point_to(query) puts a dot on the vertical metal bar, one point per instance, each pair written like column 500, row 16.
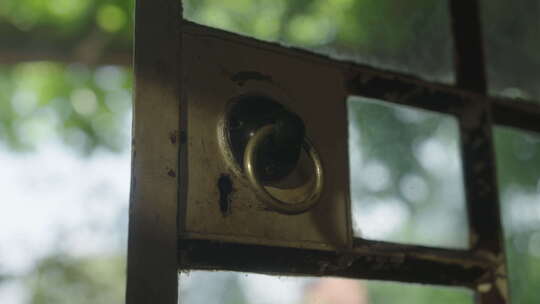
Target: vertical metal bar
column 469, row 51
column 486, row 237
column 152, row 243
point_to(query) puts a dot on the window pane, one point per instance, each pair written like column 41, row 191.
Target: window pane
column 518, row 163
column 512, row 42
column 408, row 36
column 202, row 287
column 406, row 175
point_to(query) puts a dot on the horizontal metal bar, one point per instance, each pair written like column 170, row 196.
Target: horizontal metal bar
column 371, row 261
column 415, row 93
column 519, row 114
column 443, row 255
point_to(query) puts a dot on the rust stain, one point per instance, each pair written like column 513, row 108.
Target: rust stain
column 173, row 137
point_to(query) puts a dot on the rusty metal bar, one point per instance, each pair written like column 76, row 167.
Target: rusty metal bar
column 410, row 93
column 403, row 263
column 486, row 236
column 519, row 114
column 481, row 190
column 152, row 242
column 468, row 54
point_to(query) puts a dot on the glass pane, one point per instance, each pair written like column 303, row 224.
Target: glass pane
column 202, row 287
column 518, row 163
column 406, row 175
column 512, row 42
column 407, row 36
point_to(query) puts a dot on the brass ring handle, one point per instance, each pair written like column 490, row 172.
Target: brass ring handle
column 250, row 159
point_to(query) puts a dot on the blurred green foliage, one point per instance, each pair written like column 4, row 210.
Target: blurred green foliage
column 86, row 106
column 518, row 168
column 65, row 279
column 406, row 161
column 67, row 17
column 407, row 36
column 386, row 293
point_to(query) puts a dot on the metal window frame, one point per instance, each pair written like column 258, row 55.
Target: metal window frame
column 155, row 254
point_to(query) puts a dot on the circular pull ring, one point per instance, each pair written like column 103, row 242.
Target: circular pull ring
column 250, row 159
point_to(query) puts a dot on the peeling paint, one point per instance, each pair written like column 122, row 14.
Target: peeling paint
column 484, row 288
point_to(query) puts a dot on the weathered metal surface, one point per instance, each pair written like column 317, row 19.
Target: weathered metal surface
column 152, row 251
column 217, row 71
column 370, row 260
column 478, row 156
column 482, row 200
column 520, row 114
column 408, row 92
